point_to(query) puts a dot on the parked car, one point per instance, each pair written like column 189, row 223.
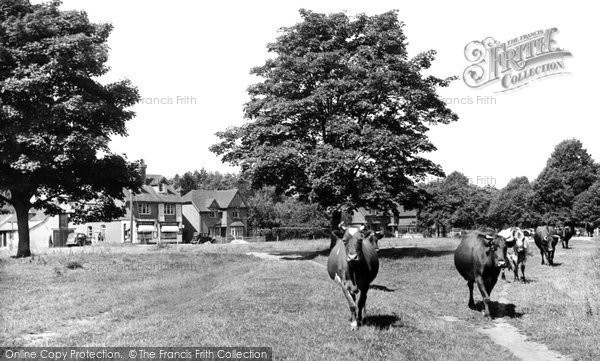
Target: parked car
column 199, row 239
column 77, row 239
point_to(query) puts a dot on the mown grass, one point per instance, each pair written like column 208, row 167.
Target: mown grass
column 214, row 295
column 561, row 304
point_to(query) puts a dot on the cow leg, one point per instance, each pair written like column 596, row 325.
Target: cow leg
column 523, row 271
column 484, row 293
column 471, row 301
column 503, row 276
column 351, row 301
column 362, row 301
column 542, row 254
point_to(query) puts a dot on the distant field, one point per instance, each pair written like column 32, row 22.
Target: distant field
column 215, row 295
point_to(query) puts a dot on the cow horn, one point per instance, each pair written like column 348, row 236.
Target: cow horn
column 487, row 236
column 362, row 227
column 342, row 227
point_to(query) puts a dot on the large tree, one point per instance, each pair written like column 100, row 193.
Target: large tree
column 340, row 116
column 586, row 207
column 512, row 205
column 56, row 117
column 569, row 171
column 455, row 202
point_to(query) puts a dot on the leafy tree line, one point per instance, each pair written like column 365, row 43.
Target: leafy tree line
column 566, row 192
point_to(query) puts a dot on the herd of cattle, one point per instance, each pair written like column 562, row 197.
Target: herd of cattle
column 479, row 258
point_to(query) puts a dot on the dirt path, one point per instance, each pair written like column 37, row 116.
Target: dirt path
column 509, row 336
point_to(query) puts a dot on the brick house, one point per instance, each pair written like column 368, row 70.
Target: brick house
column 376, row 220
column 157, row 215
column 217, row 213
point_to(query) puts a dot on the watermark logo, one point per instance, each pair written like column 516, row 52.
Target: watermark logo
column 516, row 62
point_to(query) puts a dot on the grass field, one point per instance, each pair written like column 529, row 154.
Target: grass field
column 215, row 295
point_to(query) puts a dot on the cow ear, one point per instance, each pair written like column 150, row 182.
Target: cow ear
column 379, row 235
column 337, row 234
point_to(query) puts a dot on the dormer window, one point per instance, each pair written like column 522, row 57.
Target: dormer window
column 213, row 214
column 161, row 188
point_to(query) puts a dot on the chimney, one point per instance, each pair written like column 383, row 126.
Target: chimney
column 142, row 170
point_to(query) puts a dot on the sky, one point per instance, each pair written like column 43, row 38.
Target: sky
column 191, row 61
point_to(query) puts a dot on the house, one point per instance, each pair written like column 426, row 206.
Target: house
column 217, row 213
column 376, row 220
column 156, row 215
column 41, row 229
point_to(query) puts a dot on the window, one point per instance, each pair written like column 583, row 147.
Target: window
column 168, row 235
column 237, row 232
column 169, row 209
column 213, row 214
column 161, row 188
column 143, row 208
column 235, row 214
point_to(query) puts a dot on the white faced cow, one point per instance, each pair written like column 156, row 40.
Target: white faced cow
column 517, row 254
column 353, row 264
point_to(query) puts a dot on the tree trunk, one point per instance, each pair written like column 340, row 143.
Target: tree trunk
column 336, row 219
column 22, row 210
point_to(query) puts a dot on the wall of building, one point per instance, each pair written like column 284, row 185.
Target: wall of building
column 191, row 222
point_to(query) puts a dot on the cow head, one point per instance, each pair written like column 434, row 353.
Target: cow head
column 514, row 236
column 352, row 239
column 496, row 249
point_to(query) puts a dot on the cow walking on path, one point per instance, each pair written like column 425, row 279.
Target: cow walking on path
column 546, row 238
column 516, row 256
column 479, row 259
column 353, row 264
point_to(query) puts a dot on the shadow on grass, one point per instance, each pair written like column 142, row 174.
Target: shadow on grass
column 383, row 322
column 388, row 253
column 381, row 288
column 301, row 256
column 500, row 310
column 411, row 252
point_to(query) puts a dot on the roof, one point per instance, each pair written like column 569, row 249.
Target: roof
column 237, row 224
column 203, row 199
column 150, row 195
column 155, row 179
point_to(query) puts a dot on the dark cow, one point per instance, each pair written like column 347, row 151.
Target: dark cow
column 565, row 234
column 353, row 264
column 546, row 238
column 516, row 255
column 589, row 227
column 478, row 259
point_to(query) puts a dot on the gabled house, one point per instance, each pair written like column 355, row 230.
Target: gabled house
column 156, row 215
column 215, row 213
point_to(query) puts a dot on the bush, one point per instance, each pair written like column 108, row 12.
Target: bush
column 283, row 233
